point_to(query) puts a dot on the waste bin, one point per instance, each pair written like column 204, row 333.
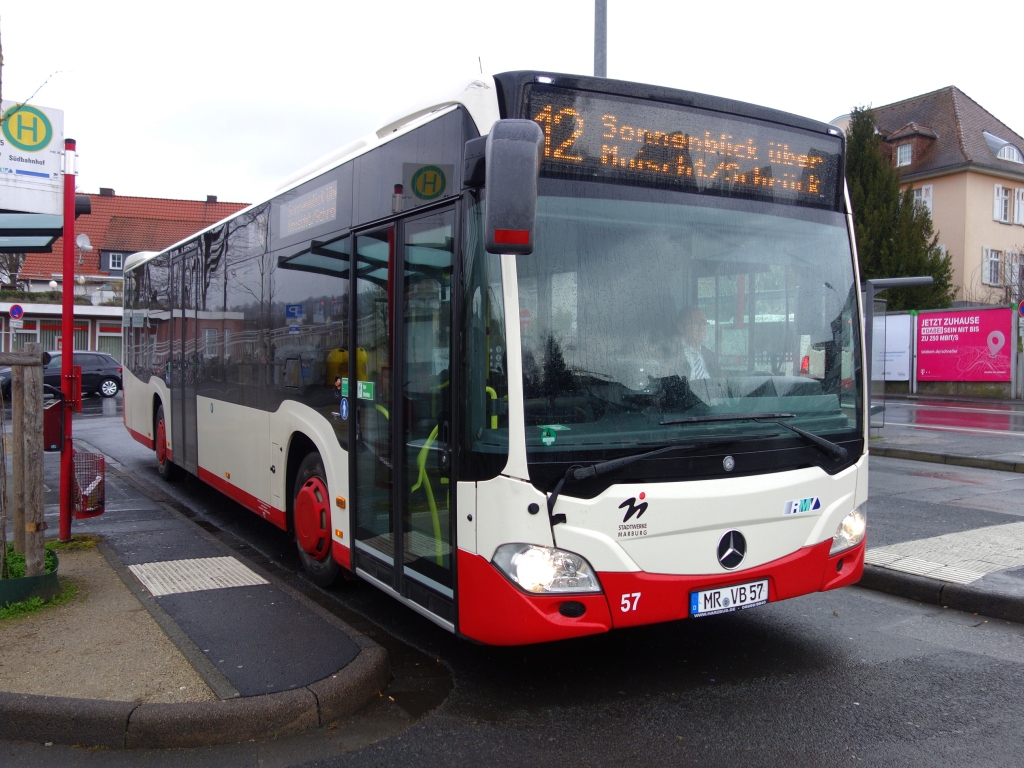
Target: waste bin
column 53, row 425
column 90, row 484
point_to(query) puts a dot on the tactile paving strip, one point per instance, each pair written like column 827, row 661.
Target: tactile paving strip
column 960, row 558
column 172, row 577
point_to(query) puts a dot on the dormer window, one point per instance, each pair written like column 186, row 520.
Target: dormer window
column 1003, row 149
column 1011, row 153
column 903, row 155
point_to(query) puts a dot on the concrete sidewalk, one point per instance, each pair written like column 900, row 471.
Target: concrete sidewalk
column 277, row 662
column 979, row 567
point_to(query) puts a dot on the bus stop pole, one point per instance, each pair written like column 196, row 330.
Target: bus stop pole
column 67, row 334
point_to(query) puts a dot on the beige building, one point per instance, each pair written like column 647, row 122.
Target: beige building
column 967, row 168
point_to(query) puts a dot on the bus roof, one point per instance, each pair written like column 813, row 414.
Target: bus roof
column 477, row 97
column 486, row 100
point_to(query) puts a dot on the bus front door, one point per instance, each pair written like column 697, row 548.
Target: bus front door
column 401, row 462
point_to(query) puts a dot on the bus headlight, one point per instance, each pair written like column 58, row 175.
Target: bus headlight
column 545, row 570
column 851, row 531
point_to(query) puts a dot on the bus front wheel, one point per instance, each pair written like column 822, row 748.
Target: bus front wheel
column 311, row 518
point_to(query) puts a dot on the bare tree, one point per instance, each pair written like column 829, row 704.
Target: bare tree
column 1005, row 283
column 26, row 101
column 10, row 263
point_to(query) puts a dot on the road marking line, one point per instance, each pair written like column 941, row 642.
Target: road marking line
column 171, row 577
column 958, row 409
column 970, row 430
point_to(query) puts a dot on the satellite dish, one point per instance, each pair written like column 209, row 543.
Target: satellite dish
column 82, row 241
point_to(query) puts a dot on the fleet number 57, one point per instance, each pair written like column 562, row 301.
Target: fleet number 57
column 629, row 601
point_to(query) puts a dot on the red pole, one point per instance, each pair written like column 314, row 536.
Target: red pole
column 67, row 334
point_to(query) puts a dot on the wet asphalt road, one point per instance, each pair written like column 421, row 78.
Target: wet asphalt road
column 839, row 678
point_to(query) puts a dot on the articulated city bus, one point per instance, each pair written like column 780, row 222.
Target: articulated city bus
column 534, row 360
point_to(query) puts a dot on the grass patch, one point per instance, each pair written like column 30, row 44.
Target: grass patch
column 78, row 542
column 14, row 562
column 68, row 592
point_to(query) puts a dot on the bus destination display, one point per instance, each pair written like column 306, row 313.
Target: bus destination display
column 588, row 136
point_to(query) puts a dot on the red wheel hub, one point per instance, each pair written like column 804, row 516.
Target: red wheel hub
column 313, row 518
column 161, row 442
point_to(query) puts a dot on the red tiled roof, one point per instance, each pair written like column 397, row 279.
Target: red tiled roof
column 127, row 224
column 131, row 234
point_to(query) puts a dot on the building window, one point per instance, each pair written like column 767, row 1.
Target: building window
column 1011, row 153
column 923, row 198
column 1012, row 270
column 903, row 155
column 210, row 342
column 990, row 266
column 1001, row 204
column 116, row 262
column 1018, row 206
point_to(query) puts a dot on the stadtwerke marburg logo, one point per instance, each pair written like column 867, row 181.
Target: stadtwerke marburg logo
column 27, row 128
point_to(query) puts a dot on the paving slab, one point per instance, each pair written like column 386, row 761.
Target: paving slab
column 951, row 535
column 279, row 662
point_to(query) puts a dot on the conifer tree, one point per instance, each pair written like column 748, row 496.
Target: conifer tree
column 895, row 237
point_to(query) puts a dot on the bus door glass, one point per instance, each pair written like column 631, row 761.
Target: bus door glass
column 191, row 362
column 427, row 488
column 369, row 384
column 183, row 354
column 402, row 402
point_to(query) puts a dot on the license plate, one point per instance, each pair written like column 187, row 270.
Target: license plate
column 708, row 602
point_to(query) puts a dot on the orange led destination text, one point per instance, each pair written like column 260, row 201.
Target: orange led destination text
column 661, row 153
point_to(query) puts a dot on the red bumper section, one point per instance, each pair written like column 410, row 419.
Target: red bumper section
column 494, row 611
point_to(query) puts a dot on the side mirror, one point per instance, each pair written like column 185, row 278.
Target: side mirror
column 512, row 166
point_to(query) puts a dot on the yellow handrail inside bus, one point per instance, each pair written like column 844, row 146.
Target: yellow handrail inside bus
column 494, row 416
column 424, row 480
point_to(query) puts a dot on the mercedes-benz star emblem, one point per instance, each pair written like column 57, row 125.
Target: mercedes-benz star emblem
column 731, row 550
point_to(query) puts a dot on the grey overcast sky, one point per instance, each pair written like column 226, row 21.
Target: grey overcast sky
column 187, row 99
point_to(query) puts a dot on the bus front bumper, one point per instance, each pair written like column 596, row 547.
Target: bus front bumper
column 494, row 611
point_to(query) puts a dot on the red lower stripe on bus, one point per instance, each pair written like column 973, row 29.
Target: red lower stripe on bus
column 261, row 508
column 493, row 611
column 639, row 598
column 148, row 442
column 342, row 555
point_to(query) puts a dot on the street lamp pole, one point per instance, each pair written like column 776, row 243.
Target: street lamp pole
column 600, row 38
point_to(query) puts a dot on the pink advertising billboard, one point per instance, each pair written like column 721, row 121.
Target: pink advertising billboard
column 966, row 345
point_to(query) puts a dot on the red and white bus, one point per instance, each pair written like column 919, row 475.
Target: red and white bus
column 530, row 359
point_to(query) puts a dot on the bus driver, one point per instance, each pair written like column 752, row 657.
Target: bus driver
column 693, row 360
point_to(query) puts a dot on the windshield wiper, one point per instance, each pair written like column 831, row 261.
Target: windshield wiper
column 576, row 473
column 833, row 450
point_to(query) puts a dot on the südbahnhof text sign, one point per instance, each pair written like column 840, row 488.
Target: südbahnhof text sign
column 31, row 147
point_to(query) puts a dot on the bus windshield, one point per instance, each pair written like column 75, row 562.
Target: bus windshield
column 641, row 309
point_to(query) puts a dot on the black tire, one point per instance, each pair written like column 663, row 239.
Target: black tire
column 321, row 569
column 168, row 470
column 109, row 387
